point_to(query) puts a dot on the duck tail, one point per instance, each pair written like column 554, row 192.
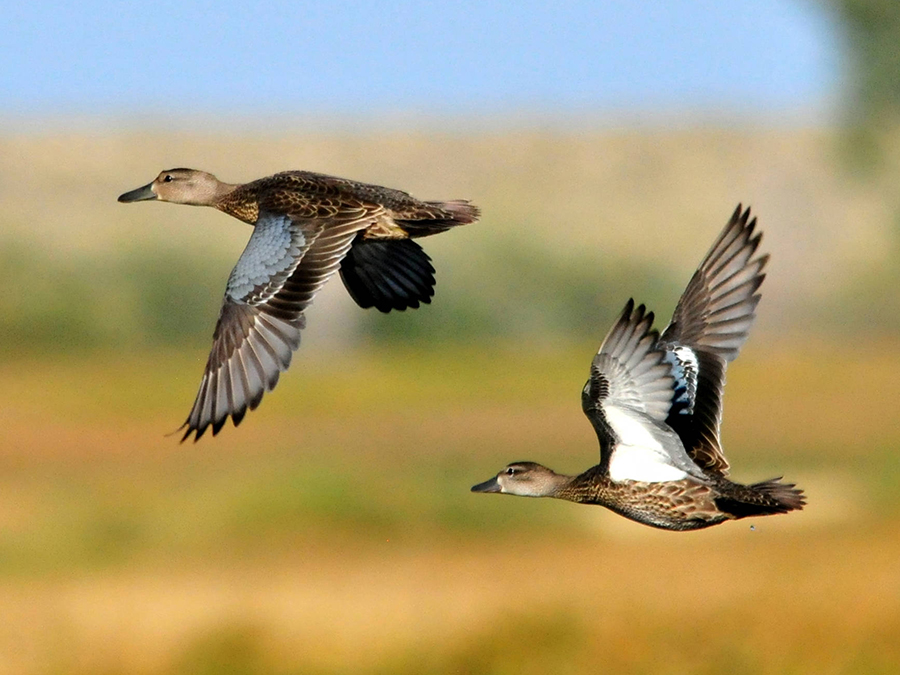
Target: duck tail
column 462, row 212
column 438, row 217
column 761, row 499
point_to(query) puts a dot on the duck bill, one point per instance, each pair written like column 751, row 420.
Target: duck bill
column 487, row 486
column 139, row 195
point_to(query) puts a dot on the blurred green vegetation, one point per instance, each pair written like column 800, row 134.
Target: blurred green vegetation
column 112, row 517
column 384, row 443
column 347, row 494
column 151, row 296
column 158, row 297
column 514, row 290
column 871, row 98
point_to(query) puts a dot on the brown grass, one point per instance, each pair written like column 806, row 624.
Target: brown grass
column 774, row 600
column 334, row 531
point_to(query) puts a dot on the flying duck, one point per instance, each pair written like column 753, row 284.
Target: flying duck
column 655, row 402
column 307, row 226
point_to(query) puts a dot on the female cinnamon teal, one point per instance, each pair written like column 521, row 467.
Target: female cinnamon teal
column 307, row 227
column 655, row 402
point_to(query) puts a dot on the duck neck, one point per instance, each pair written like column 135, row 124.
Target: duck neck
column 223, row 190
column 237, row 201
column 581, row 488
column 560, row 486
column 211, row 193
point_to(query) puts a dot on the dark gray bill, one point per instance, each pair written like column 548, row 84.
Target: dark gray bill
column 139, row 195
column 487, row 486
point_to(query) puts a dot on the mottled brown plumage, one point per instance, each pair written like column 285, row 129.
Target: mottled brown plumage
column 656, row 405
column 687, row 504
column 307, row 227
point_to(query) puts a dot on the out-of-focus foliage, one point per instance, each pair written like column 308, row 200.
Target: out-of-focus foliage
column 160, row 296
column 871, row 30
column 334, row 531
column 528, row 293
column 574, row 223
column 142, row 297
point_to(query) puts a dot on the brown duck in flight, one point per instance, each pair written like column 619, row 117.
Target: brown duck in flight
column 655, row 402
column 307, row 226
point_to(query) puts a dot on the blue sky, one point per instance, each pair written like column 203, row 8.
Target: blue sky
column 361, row 60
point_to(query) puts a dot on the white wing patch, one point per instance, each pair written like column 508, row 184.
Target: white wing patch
column 641, row 464
column 645, row 452
column 685, row 369
column 273, row 252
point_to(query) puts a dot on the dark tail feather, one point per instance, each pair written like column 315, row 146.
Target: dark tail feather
column 761, row 499
column 440, row 216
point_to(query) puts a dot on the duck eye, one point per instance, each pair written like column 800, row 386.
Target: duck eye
column 168, row 178
column 510, row 471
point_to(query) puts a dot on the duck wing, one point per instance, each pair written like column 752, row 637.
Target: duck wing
column 710, row 325
column 288, row 258
column 387, row 274
column 627, row 399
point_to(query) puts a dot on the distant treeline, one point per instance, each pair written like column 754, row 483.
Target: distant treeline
column 142, row 297
column 161, row 296
column 506, row 291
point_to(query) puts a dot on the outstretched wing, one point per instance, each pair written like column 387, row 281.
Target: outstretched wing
column 287, row 260
column 710, row 325
column 627, row 399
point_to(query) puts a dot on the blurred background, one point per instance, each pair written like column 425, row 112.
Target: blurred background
column 334, row 531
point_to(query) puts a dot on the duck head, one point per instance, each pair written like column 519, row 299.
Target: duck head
column 525, row 479
column 180, row 186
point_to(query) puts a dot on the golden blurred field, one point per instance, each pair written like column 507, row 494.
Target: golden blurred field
column 334, row 531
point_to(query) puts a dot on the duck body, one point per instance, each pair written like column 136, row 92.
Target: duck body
column 305, row 194
column 686, row 504
column 307, row 226
column 655, row 402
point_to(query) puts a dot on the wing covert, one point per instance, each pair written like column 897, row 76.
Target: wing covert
column 274, row 250
column 285, row 264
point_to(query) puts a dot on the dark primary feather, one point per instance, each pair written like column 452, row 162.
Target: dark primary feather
column 716, row 310
column 710, row 325
column 387, row 273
